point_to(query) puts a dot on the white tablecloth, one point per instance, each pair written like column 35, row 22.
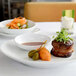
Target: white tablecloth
column 9, row 67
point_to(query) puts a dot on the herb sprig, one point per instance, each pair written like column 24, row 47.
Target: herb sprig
column 63, row 36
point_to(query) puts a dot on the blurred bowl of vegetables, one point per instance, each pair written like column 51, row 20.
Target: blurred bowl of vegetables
column 17, row 26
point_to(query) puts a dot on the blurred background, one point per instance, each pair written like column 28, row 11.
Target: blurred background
column 14, row 8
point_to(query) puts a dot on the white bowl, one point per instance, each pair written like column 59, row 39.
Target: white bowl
column 4, row 29
column 31, row 37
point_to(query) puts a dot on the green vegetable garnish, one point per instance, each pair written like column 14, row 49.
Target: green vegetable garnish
column 26, row 26
column 63, row 36
column 18, row 24
column 20, row 27
column 8, row 27
column 53, row 37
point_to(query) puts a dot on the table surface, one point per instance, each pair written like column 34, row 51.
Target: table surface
column 10, row 67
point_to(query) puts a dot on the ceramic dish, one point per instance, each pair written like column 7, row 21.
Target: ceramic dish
column 9, row 49
column 31, row 25
column 7, row 35
column 30, row 37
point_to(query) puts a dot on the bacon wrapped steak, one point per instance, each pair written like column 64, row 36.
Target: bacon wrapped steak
column 62, row 50
column 62, row 45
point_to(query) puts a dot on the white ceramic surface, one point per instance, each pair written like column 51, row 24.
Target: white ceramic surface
column 7, row 35
column 3, row 28
column 9, row 49
column 30, row 37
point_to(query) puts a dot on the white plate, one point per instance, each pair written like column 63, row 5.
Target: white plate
column 7, row 35
column 31, row 37
column 9, row 49
column 3, row 28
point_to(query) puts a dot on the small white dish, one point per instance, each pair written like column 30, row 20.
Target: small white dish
column 31, row 24
column 30, row 37
column 9, row 49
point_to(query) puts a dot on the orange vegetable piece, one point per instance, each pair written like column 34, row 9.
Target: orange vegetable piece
column 13, row 23
column 44, row 54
